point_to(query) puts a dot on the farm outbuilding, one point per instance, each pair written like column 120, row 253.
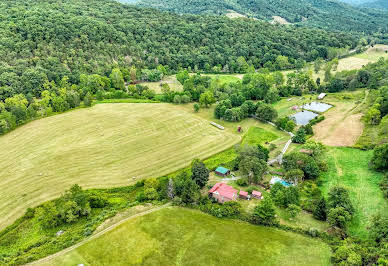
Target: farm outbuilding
column 243, row 194
column 222, row 171
column 321, row 96
column 223, row 193
column 256, row 194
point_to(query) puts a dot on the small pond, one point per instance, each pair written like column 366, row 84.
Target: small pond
column 303, row 118
column 317, row 107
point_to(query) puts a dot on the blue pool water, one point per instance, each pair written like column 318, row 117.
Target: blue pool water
column 281, row 181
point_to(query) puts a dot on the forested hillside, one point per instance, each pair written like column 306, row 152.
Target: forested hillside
column 318, row 13
column 366, row 3
column 44, row 40
column 383, row 4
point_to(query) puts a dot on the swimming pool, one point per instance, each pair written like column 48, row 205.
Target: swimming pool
column 276, row 179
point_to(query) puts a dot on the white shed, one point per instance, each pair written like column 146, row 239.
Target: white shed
column 321, row 96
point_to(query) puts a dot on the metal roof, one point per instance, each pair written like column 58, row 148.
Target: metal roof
column 222, row 170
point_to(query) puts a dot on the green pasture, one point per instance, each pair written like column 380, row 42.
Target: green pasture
column 348, row 167
column 175, row 236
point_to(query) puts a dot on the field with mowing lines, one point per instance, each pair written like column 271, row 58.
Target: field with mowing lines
column 349, row 168
column 175, row 236
column 103, row 146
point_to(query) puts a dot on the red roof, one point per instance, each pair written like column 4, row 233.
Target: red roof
column 224, row 190
column 256, row 193
column 243, row 193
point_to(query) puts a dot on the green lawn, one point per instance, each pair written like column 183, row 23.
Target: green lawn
column 256, row 135
column 349, row 168
column 177, row 236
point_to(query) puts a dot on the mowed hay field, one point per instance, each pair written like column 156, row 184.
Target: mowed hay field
column 176, row 236
column 103, row 146
column 359, row 60
column 348, row 167
column 342, row 125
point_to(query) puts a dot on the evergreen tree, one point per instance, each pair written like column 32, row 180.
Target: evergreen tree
column 319, row 210
column 300, row 136
column 200, row 174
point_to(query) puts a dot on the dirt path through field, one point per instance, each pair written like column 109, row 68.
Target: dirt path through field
column 110, row 228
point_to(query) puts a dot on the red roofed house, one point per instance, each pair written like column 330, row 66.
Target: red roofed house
column 223, row 193
column 256, row 194
column 243, row 194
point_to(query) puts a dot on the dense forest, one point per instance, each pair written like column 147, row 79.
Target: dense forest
column 367, row 3
column 382, row 4
column 324, row 14
column 47, row 40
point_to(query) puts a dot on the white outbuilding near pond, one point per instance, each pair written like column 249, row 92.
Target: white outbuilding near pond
column 321, row 96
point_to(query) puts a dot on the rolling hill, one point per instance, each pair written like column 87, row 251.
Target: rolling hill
column 367, row 3
column 103, row 146
column 324, row 14
column 42, row 40
column 382, row 4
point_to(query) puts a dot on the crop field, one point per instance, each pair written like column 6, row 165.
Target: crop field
column 107, row 145
column 176, row 236
column 349, row 168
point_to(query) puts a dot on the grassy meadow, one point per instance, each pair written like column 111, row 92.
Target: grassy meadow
column 349, row 168
column 174, row 84
column 176, row 236
column 108, row 145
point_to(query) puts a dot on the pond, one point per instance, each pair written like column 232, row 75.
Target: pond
column 303, row 118
column 317, row 107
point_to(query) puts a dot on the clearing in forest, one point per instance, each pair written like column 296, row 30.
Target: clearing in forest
column 359, row 60
column 348, row 167
column 176, row 236
column 103, row 146
column 172, row 82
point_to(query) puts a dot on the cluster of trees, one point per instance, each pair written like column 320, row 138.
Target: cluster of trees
column 287, row 124
column 379, row 160
column 304, row 162
column 74, row 204
column 252, row 162
column 19, row 109
column 47, row 40
column 52, row 97
column 320, row 14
